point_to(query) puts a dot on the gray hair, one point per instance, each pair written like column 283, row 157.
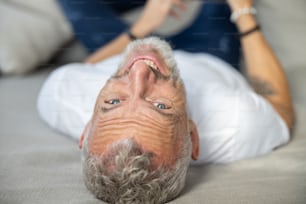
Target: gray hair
column 124, row 174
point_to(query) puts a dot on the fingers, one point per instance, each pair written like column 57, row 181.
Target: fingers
column 174, row 14
column 180, row 4
column 177, row 8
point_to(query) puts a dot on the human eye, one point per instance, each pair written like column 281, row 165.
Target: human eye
column 113, row 101
column 161, row 106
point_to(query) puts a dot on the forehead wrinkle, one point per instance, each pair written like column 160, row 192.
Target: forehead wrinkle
column 141, row 122
column 118, row 124
column 132, row 130
column 106, row 133
column 135, row 123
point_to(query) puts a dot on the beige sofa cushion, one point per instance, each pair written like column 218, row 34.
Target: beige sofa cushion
column 284, row 25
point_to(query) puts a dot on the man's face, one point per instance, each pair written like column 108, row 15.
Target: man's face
column 145, row 101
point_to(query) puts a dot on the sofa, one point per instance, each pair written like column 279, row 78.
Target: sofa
column 40, row 165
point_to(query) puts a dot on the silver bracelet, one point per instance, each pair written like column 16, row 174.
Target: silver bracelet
column 236, row 14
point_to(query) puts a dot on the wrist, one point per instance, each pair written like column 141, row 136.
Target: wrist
column 249, row 32
column 246, row 22
column 140, row 30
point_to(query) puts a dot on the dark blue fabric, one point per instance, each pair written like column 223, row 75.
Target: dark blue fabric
column 96, row 22
column 211, row 32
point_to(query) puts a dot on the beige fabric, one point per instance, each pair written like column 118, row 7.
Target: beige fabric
column 284, row 25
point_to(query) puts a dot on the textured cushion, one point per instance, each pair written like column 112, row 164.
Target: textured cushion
column 31, row 32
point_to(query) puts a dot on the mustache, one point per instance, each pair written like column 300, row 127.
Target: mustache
column 158, row 75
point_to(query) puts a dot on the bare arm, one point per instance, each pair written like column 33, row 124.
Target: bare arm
column 264, row 70
column 153, row 15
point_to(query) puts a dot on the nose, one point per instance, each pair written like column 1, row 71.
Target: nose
column 141, row 77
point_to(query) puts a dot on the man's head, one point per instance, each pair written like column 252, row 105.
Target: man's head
column 139, row 142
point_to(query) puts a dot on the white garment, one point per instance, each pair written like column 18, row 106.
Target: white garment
column 232, row 120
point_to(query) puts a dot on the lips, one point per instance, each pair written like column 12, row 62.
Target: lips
column 151, row 60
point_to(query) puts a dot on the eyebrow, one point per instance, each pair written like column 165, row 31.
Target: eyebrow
column 166, row 115
column 106, row 110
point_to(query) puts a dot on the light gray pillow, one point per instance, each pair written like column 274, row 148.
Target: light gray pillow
column 31, row 32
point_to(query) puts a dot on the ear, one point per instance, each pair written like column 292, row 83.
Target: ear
column 194, row 139
column 81, row 141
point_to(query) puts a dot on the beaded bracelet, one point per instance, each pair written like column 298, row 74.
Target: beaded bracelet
column 236, row 14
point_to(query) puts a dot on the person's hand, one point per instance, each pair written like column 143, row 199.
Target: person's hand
column 239, row 4
column 154, row 14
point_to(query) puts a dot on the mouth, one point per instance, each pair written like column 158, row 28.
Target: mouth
column 152, row 61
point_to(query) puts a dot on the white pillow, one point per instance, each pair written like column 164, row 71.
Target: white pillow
column 31, row 32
